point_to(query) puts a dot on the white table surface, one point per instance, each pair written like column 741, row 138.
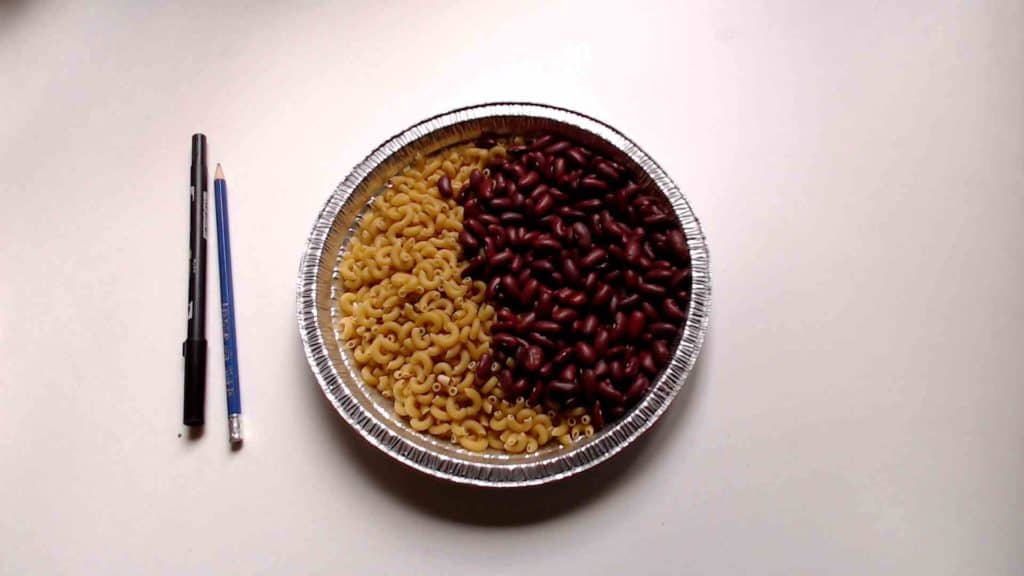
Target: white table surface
column 859, row 171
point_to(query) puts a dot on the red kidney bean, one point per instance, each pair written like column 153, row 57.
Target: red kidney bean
column 506, row 340
column 649, row 312
column 631, row 366
column 563, row 315
column 508, row 218
column 569, row 212
column 629, row 301
column 672, row 310
column 633, row 250
column 558, row 147
column 635, row 324
column 500, row 259
column 568, row 373
column 593, row 184
column 637, row 389
column 529, row 181
column 660, row 276
column 647, row 363
column 544, row 204
column 589, row 325
column 606, row 170
column 630, row 279
column 662, row 330
column 597, row 416
column 468, row 242
column 475, row 227
column 562, row 388
column 547, row 327
column 681, row 278
column 558, row 228
column 492, row 287
column 582, row 234
column 558, row 168
column 593, row 258
column 570, row 272
column 651, row 289
column 541, row 142
column 590, row 282
column 542, row 340
column 608, row 392
column 588, row 205
column 444, row 186
column 534, row 358
column 661, row 352
column 677, row 244
column 575, row 299
column 585, row 353
column 577, row 155
column 545, row 242
column 502, row 204
column 601, row 340
column 602, row 295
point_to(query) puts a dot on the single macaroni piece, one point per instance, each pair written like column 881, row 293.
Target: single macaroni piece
column 417, row 329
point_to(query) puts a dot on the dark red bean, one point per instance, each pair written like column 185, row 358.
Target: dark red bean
column 577, row 155
column 545, row 242
column 617, row 370
column 631, row 366
column 489, row 220
column 589, row 381
column 502, row 204
column 444, row 186
column 582, row 234
column 608, row 171
column 542, row 340
column 545, row 203
column 647, row 363
column 541, row 142
column 655, row 220
column 475, row 227
column 677, row 244
column 563, row 315
column 661, row 352
column 574, row 299
column 672, row 310
column 568, row 373
column 562, row 388
column 562, row 356
column 506, row 340
column 500, row 259
column 593, row 184
column 637, row 389
column 661, row 276
column 512, row 218
column 593, row 258
column 569, row 212
column 529, row 181
column 632, row 250
column 570, row 272
column 476, row 177
column 651, row 289
column 558, row 147
column 588, row 205
column 545, row 302
column 547, row 326
column 534, row 358
column 492, row 287
column 681, row 278
column 589, row 325
column 629, row 301
column 558, row 168
column 630, row 279
column 468, row 241
column 650, row 312
column 597, row 416
column 608, row 392
column 662, row 330
column 635, row 324
column 601, row 340
column 585, row 353
column 483, row 367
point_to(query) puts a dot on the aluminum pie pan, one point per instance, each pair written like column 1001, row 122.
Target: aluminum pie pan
column 365, row 410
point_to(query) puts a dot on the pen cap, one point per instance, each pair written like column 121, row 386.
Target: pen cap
column 195, row 382
column 198, row 158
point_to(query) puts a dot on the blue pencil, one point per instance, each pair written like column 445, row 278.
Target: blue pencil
column 227, row 308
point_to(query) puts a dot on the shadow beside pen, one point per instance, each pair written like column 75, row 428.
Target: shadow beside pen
column 508, row 506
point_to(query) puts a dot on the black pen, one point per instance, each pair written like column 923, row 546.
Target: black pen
column 194, row 348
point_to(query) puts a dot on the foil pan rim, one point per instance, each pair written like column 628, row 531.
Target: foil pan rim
column 508, row 473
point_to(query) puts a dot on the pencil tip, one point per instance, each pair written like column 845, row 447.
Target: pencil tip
column 219, row 175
